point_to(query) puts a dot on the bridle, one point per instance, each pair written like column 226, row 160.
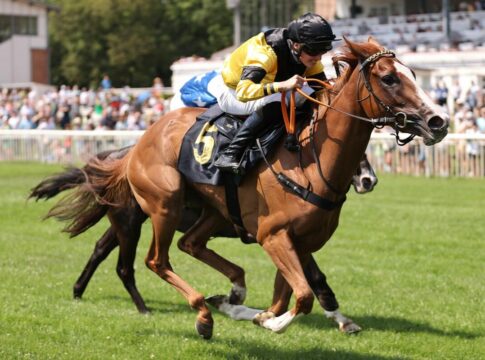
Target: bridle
column 398, row 119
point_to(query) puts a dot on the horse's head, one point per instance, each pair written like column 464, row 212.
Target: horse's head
column 390, row 90
column 364, row 178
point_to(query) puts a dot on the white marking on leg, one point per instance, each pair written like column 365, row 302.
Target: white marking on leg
column 239, row 312
column 280, row 323
column 344, row 323
column 239, row 291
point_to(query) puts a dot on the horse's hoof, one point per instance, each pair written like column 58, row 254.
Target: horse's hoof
column 204, row 330
column 217, row 300
column 350, row 328
column 145, row 311
column 260, row 318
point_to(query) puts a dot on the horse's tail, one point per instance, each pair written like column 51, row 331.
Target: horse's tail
column 99, row 185
column 70, row 178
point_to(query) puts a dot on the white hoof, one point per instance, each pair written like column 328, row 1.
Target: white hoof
column 277, row 324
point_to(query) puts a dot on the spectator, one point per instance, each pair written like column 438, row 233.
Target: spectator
column 157, row 87
column 440, row 93
column 481, row 120
column 106, row 82
column 472, row 95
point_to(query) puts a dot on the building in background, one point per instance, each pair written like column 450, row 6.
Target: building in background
column 24, row 45
column 442, row 40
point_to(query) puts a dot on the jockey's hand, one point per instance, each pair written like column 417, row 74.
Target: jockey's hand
column 296, row 81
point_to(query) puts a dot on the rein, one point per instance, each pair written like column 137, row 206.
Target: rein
column 398, row 119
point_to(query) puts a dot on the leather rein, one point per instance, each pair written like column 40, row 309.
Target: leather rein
column 398, row 119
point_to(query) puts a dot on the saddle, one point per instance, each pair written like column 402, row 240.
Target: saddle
column 211, row 133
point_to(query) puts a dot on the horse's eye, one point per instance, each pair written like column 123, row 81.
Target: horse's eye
column 390, row 80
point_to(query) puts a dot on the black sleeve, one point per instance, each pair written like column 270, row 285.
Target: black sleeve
column 253, row 73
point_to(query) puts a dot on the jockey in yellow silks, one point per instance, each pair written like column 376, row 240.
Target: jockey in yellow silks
column 255, row 74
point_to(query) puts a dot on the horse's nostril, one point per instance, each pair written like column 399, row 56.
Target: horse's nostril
column 436, row 123
column 366, row 183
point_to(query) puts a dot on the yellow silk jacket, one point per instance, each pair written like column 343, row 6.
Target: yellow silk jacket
column 254, row 67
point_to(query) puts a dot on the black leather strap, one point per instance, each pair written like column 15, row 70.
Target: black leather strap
column 232, row 200
column 307, row 195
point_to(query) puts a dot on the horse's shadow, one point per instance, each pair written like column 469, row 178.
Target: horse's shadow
column 369, row 322
column 242, row 347
column 382, row 323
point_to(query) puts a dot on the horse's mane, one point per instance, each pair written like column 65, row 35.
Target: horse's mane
column 344, row 56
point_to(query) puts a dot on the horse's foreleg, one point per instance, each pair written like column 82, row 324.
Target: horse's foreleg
column 128, row 222
column 281, row 295
column 281, row 250
column 318, row 282
column 102, row 249
column 194, row 243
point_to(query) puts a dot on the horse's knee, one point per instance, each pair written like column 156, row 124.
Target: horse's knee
column 125, row 274
column 328, row 302
column 152, row 265
column 183, row 246
column 190, row 247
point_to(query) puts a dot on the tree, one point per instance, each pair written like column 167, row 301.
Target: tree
column 132, row 40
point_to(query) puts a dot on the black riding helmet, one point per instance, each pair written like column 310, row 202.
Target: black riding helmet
column 313, row 31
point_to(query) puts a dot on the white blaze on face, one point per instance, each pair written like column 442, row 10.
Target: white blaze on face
column 423, row 96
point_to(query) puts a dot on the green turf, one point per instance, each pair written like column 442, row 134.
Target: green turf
column 407, row 264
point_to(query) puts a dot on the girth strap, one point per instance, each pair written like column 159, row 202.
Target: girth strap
column 300, row 191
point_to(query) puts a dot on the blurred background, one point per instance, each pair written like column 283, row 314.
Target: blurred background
column 114, row 64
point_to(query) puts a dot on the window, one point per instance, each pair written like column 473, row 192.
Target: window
column 5, row 27
column 24, row 25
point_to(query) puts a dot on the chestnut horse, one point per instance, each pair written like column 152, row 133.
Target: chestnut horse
column 82, row 211
column 376, row 89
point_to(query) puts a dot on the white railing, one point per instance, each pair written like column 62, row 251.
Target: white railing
column 456, row 155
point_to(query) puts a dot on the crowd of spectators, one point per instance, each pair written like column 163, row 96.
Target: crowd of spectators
column 82, row 108
column 467, row 104
column 124, row 109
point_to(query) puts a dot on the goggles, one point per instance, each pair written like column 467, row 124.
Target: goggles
column 317, row 49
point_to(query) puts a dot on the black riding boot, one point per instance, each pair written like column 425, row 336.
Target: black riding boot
column 230, row 158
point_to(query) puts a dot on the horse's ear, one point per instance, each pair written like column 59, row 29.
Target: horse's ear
column 360, row 50
column 372, row 40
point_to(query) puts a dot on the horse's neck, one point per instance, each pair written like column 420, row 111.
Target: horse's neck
column 342, row 140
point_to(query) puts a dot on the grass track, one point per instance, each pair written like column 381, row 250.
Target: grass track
column 406, row 263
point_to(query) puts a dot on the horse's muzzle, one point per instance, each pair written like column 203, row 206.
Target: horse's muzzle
column 438, row 129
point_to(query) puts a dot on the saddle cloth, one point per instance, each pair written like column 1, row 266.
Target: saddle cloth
column 211, row 133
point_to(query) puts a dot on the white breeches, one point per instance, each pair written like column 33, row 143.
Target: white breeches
column 228, row 102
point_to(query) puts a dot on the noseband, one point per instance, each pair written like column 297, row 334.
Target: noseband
column 399, row 119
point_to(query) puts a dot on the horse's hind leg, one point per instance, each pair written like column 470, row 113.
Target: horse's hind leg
column 158, row 261
column 318, row 282
column 128, row 222
column 161, row 199
column 194, row 243
column 102, row 249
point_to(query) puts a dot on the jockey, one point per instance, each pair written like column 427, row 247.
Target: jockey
column 267, row 64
